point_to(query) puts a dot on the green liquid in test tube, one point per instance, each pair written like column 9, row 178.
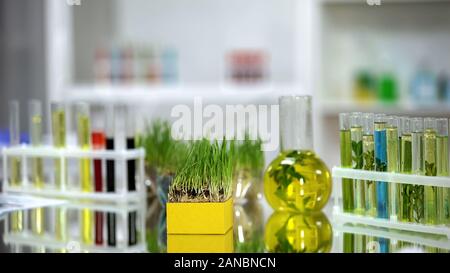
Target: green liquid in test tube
column 442, row 170
column 346, row 161
column 356, row 133
column 369, row 164
column 392, row 146
column 429, row 152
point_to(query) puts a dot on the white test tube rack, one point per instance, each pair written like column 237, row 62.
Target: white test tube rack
column 48, row 241
column 120, row 157
column 359, row 176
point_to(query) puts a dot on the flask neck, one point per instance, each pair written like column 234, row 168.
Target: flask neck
column 296, row 132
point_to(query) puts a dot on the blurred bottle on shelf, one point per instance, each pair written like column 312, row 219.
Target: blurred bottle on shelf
column 424, row 86
column 247, row 66
column 388, row 88
column 444, row 87
column 364, row 87
column 136, row 64
column 102, row 67
column 169, row 58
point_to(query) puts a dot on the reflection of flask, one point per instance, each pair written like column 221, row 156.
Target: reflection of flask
column 287, row 232
column 297, row 179
column 248, row 228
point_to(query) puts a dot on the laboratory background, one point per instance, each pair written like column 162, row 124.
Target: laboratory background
column 88, row 90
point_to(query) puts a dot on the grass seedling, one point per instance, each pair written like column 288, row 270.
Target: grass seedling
column 206, row 175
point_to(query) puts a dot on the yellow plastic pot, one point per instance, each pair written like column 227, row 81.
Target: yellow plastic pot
column 198, row 243
column 199, row 218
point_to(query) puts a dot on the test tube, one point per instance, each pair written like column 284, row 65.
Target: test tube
column 369, row 163
column 356, row 132
column 442, row 169
column 429, row 152
column 131, row 175
column 346, row 160
column 381, row 165
column 37, row 215
column 110, row 173
column 84, row 142
column 58, row 113
column 406, row 205
column 98, row 143
column 393, row 160
column 17, row 220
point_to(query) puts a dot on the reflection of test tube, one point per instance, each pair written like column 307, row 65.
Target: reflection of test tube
column 84, row 142
column 37, row 215
column 15, row 172
column 59, row 141
column 110, row 174
column 131, row 176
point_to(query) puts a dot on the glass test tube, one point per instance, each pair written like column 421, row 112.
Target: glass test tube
column 84, row 142
column 131, row 176
column 37, row 215
column 406, row 190
column 15, row 177
column 442, row 169
column 381, row 165
column 346, row 161
column 356, row 133
column 98, row 143
column 429, row 154
column 58, row 114
column 392, row 147
column 110, row 173
column 369, row 164
column 417, row 167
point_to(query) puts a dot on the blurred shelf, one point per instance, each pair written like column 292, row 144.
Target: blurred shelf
column 333, row 108
column 147, row 94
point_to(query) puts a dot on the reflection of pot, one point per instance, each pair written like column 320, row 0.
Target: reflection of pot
column 153, row 205
column 288, row 232
column 248, row 228
column 247, row 185
column 163, row 184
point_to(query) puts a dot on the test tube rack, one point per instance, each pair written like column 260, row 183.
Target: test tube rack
column 48, row 241
column 120, row 157
column 359, row 176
